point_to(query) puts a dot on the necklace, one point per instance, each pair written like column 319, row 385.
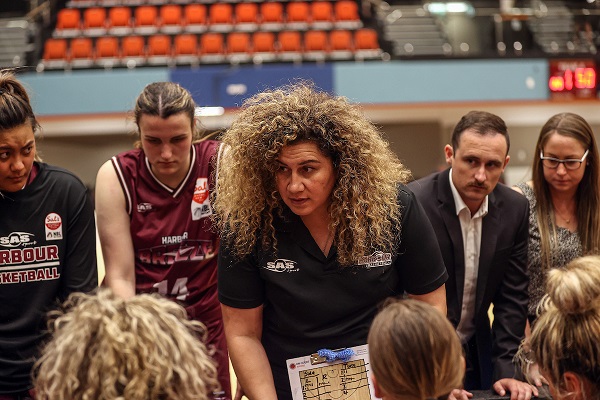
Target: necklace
column 567, row 220
column 328, row 242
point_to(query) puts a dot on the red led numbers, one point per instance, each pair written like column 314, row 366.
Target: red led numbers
column 571, row 79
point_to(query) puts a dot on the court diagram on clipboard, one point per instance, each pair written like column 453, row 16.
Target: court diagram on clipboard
column 312, row 378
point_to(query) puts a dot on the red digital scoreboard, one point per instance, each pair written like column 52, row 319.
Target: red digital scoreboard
column 572, row 79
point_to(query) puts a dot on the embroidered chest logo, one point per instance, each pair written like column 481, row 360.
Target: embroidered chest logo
column 282, row 265
column 200, row 200
column 144, row 207
column 377, row 259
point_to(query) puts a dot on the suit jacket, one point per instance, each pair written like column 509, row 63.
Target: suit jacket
column 502, row 278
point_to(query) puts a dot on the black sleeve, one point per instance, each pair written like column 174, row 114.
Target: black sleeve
column 420, row 259
column 239, row 281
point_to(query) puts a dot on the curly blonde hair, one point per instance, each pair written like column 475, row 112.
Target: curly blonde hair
column 415, row 352
column 565, row 337
column 364, row 208
column 104, row 347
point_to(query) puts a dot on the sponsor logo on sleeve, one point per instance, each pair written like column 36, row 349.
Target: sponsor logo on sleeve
column 53, row 226
column 201, row 200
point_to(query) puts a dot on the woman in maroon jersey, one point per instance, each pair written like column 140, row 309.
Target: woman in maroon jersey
column 153, row 209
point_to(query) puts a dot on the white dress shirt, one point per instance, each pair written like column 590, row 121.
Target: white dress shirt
column 471, row 234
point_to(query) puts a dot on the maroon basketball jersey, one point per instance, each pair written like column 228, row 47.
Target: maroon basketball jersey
column 174, row 244
column 175, row 248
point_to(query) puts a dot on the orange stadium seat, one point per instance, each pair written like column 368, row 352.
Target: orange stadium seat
column 119, row 21
column 346, row 14
column 159, row 49
column 298, row 13
column 271, row 15
column 186, row 48
column 316, row 41
column 194, row 17
column 290, row 45
column 366, row 44
column 246, row 16
column 221, row 17
column 263, row 45
column 107, row 51
column 146, row 20
column 171, row 17
column 366, row 39
column 212, row 47
column 55, row 53
column 81, row 52
column 68, row 22
column 341, row 44
column 133, row 51
column 239, row 47
column 94, row 21
column 263, row 42
column 322, row 14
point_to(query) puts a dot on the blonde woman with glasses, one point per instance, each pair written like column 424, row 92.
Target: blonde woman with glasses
column 564, row 220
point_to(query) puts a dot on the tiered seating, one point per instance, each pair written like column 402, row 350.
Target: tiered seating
column 160, row 32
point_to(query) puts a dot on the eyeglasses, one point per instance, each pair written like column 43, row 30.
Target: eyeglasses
column 571, row 163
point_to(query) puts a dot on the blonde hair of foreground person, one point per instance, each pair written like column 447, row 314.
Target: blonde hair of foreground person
column 414, row 352
column 565, row 338
column 104, row 347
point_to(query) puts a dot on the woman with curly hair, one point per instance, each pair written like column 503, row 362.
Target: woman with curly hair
column 141, row 348
column 317, row 229
column 564, row 340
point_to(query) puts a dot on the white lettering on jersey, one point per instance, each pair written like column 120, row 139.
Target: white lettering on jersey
column 174, row 239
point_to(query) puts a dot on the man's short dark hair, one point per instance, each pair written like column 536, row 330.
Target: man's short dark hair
column 481, row 122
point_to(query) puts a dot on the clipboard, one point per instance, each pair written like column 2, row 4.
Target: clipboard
column 313, row 378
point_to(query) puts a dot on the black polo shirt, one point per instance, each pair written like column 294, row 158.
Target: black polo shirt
column 311, row 303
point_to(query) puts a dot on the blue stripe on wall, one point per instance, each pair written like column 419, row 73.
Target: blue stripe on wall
column 99, row 91
column 89, row 92
column 441, row 81
column 230, row 86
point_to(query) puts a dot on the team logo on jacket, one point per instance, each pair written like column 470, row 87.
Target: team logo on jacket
column 377, row 259
column 53, row 226
column 200, row 200
column 282, row 265
column 16, row 239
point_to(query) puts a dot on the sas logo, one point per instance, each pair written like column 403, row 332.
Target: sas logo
column 282, row 265
column 144, row 207
column 17, row 239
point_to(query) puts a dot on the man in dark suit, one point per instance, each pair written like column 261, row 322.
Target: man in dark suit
column 482, row 229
